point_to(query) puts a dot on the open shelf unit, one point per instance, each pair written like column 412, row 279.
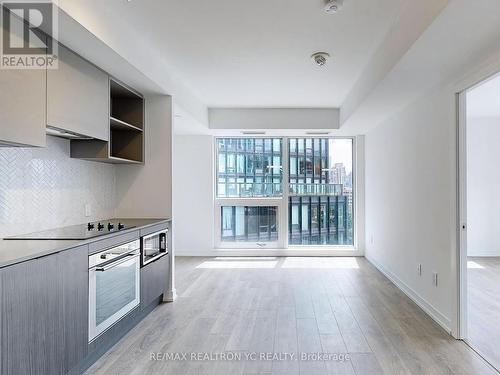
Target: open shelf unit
column 126, row 130
column 126, row 105
column 126, row 123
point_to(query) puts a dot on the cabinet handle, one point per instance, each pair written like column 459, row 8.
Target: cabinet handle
column 123, row 259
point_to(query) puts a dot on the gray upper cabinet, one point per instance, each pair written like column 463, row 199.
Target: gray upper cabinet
column 22, row 103
column 78, row 96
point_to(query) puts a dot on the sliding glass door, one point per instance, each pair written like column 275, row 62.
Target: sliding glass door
column 254, row 208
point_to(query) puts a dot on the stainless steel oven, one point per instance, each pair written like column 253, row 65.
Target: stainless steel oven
column 114, row 286
column 154, row 246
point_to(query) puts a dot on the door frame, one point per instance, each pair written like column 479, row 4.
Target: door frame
column 461, row 100
column 484, row 74
column 479, row 73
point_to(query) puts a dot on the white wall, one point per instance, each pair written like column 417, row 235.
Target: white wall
column 274, row 118
column 146, row 191
column 410, row 200
column 483, row 186
column 193, row 186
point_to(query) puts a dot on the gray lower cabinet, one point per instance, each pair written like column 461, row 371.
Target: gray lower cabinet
column 74, row 299
column 43, row 312
column 153, row 280
column 78, row 96
column 31, row 318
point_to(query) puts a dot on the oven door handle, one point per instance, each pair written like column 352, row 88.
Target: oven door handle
column 117, row 262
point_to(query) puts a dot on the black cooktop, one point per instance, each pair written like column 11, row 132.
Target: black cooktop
column 76, row 232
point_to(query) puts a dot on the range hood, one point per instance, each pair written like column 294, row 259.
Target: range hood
column 12, row 144
column 56, row 132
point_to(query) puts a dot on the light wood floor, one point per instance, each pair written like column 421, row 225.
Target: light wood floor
column 484, row 307
column 291, row 305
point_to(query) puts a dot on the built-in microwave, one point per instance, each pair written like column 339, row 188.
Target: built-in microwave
column 153, row 246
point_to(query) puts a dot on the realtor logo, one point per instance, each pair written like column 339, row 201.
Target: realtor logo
column 29, row 34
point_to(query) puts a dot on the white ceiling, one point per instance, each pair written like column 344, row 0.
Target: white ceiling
column 484, row 100
column 234, row 53
column 461, row 40
column 231, row 53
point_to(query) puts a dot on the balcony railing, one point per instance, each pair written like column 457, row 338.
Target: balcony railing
column 274, row 189
column 316, row 189
column 250, row 190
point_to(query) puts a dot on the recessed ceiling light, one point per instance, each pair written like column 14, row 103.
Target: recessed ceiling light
column 320, row 58
column 333, row 6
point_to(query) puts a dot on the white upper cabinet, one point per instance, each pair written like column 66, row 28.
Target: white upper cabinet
column 22, row 101
column 78, row 97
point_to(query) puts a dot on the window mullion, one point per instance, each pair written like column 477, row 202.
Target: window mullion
column 285, row 212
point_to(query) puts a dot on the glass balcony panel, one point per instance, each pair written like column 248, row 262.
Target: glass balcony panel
column 249, row 224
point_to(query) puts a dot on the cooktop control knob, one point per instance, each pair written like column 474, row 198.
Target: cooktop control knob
column 100, row 226
column 120, row 226
column 90, row 226
column 111, row 226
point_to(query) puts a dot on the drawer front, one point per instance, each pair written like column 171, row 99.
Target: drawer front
column 108, row 243
column 153, row 229
column 154, row 277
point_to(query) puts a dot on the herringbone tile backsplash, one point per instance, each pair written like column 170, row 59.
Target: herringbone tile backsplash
column 43, row 188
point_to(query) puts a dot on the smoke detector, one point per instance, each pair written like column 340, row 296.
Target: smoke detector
column 320, row 58
column 333, row 6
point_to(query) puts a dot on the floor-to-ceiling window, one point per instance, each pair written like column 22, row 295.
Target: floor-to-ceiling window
column 255, row 208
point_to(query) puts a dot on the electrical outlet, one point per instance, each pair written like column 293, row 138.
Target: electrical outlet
column 419, row 270
column 88, row 210
column 435, row 279
column 371, row 239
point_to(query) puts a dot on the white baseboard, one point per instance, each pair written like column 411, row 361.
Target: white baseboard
column 483, row 253
column 430, row 310
column 170, row 296
column 315, row 252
